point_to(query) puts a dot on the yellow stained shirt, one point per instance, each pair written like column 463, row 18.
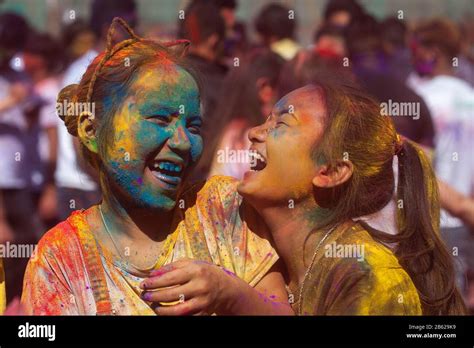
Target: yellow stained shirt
column 355, row 275
column 212, row 229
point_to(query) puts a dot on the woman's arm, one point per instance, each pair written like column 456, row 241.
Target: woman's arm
column 204, row 288
column 18, row 93
column 456, row 203
column 271, row 299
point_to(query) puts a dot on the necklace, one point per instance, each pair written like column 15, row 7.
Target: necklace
column 310, row 267
column 115, row 245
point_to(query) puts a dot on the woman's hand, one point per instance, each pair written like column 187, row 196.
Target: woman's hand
column 194, row 288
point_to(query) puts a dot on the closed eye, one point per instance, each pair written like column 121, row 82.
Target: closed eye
column 159, row 119
column 195, row 128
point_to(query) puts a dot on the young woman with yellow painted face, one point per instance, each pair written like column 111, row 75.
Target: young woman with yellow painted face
column 153, row 245
column 325, row 157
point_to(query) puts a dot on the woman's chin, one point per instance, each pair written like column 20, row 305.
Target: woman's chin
column 249, row 184
column 164, row 204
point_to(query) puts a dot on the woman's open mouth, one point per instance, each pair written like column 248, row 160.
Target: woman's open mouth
column 167, row 171
column 257, row 161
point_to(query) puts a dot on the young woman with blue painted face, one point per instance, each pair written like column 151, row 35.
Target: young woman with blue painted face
column 153, row 245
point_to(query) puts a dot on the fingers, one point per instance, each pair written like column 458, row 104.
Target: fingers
column 174, row 277
column 175, row 273
column 172, row 266
column 179, row 293
column 194, row 306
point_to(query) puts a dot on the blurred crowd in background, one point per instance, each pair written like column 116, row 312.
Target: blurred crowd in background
column 427, row 64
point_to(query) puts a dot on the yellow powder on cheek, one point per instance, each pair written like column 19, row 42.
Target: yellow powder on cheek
column 124, row 142
column 300, row 164
column 291, row 173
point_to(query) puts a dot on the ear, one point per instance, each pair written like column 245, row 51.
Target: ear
column 265, row 90
column 332, row 176
column 86, row 131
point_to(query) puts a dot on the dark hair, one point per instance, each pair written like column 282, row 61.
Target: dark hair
column 355, row 129
column 14, row 31
column 441, row 33
column 307, row 67
column 273, row 20
column 202, row 19
column 363, row 36
column 231, row 4
column 350, row 6
column 104, row 11
column 106, row 82
column 45, row 46
column 70, row 31
column 239, row 100
column 394, row 30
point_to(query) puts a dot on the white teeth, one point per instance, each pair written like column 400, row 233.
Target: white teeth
column 256, row 155
column 169, row 166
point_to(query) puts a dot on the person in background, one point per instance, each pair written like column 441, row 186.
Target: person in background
column 43, row 64
column 78, row 38
column 394, row 45
column 236, row 42
column 19, row 223
column 465, row 69
column 341, row 13
column 434, row 46
column 369, row 64
column 457, row 204
column 462, row 207
column 276, row 26
column 76, row 185
column 329, row 42
column 248, row 93
column 204, row 26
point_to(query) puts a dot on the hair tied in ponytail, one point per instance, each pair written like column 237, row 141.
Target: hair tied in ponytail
column 398, row 144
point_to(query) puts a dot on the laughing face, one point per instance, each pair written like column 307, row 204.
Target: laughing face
column 282, row 148
column 156, row 138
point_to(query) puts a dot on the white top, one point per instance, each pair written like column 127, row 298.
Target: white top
column 68, row 172
column 451, row 104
